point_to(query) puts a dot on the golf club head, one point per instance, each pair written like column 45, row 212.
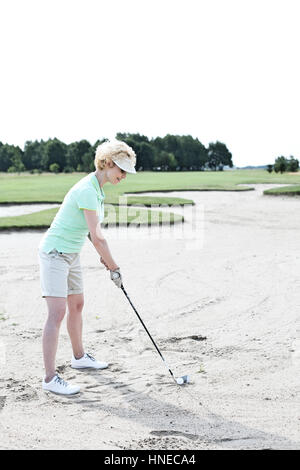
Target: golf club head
column 185, row 379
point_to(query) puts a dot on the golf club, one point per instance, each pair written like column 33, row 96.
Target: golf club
column 180, row 380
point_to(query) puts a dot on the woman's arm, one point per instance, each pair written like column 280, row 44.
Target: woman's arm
column 98, row 239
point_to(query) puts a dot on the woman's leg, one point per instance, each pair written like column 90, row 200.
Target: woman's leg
column 74, row 323
column 56, row 313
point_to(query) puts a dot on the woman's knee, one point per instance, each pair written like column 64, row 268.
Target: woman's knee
column 75, row 303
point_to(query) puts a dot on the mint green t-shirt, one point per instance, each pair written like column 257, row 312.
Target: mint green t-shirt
column 69, row 228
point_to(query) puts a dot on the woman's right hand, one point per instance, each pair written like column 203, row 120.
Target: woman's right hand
column 115, row 274
column 116, row 277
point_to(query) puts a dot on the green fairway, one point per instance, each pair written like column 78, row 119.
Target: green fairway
column 48, row 187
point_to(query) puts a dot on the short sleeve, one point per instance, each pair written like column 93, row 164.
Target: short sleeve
column 87, row 199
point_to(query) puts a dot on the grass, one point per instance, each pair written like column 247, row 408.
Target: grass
column 284, row 191
column 148, row 201
column 48, row 187
column 26, row 188
column 113, row 216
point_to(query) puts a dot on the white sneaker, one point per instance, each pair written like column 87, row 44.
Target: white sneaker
column 87, row 362
column 59, row 386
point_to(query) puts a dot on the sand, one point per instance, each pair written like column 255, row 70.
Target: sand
column 10, row 210
column 223, row 309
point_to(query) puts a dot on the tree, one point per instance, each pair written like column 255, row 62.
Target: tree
column 87, row 161
column 270, row 168
column 171, row 152
column 193, row 153
column 146, row 156
column 5, row 157
column 11, row 158
column 172, row 144
column 166, row 161
column 54, row 168
column 218, row 156
column 124, row 136
column 33, row 154
column 54, row 152
column 292, row 164
column 280, row 164
column 75, row 152
column 17, row 164
column 189, row 153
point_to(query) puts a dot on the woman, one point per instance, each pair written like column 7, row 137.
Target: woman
column 80, row 214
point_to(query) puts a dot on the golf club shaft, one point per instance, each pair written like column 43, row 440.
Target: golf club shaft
column 164, row 361
column 122, row 287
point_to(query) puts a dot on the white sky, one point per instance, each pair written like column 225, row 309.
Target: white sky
column 223, row 70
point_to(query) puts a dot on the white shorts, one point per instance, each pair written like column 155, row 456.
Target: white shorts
column 60, row 274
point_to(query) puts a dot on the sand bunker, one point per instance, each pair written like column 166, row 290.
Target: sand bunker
column 224, row 310
column 10, row 210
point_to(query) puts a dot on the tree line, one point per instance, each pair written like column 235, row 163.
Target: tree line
column 169, row 153
column 283, row 164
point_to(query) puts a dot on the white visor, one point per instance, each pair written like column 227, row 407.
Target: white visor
column 125, row 164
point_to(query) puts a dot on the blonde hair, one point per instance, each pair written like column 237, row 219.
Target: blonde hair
column 106, row 152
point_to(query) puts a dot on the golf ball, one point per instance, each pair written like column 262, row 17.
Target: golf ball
column 180, row 381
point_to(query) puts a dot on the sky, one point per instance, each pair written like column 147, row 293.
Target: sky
column 224, row 70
